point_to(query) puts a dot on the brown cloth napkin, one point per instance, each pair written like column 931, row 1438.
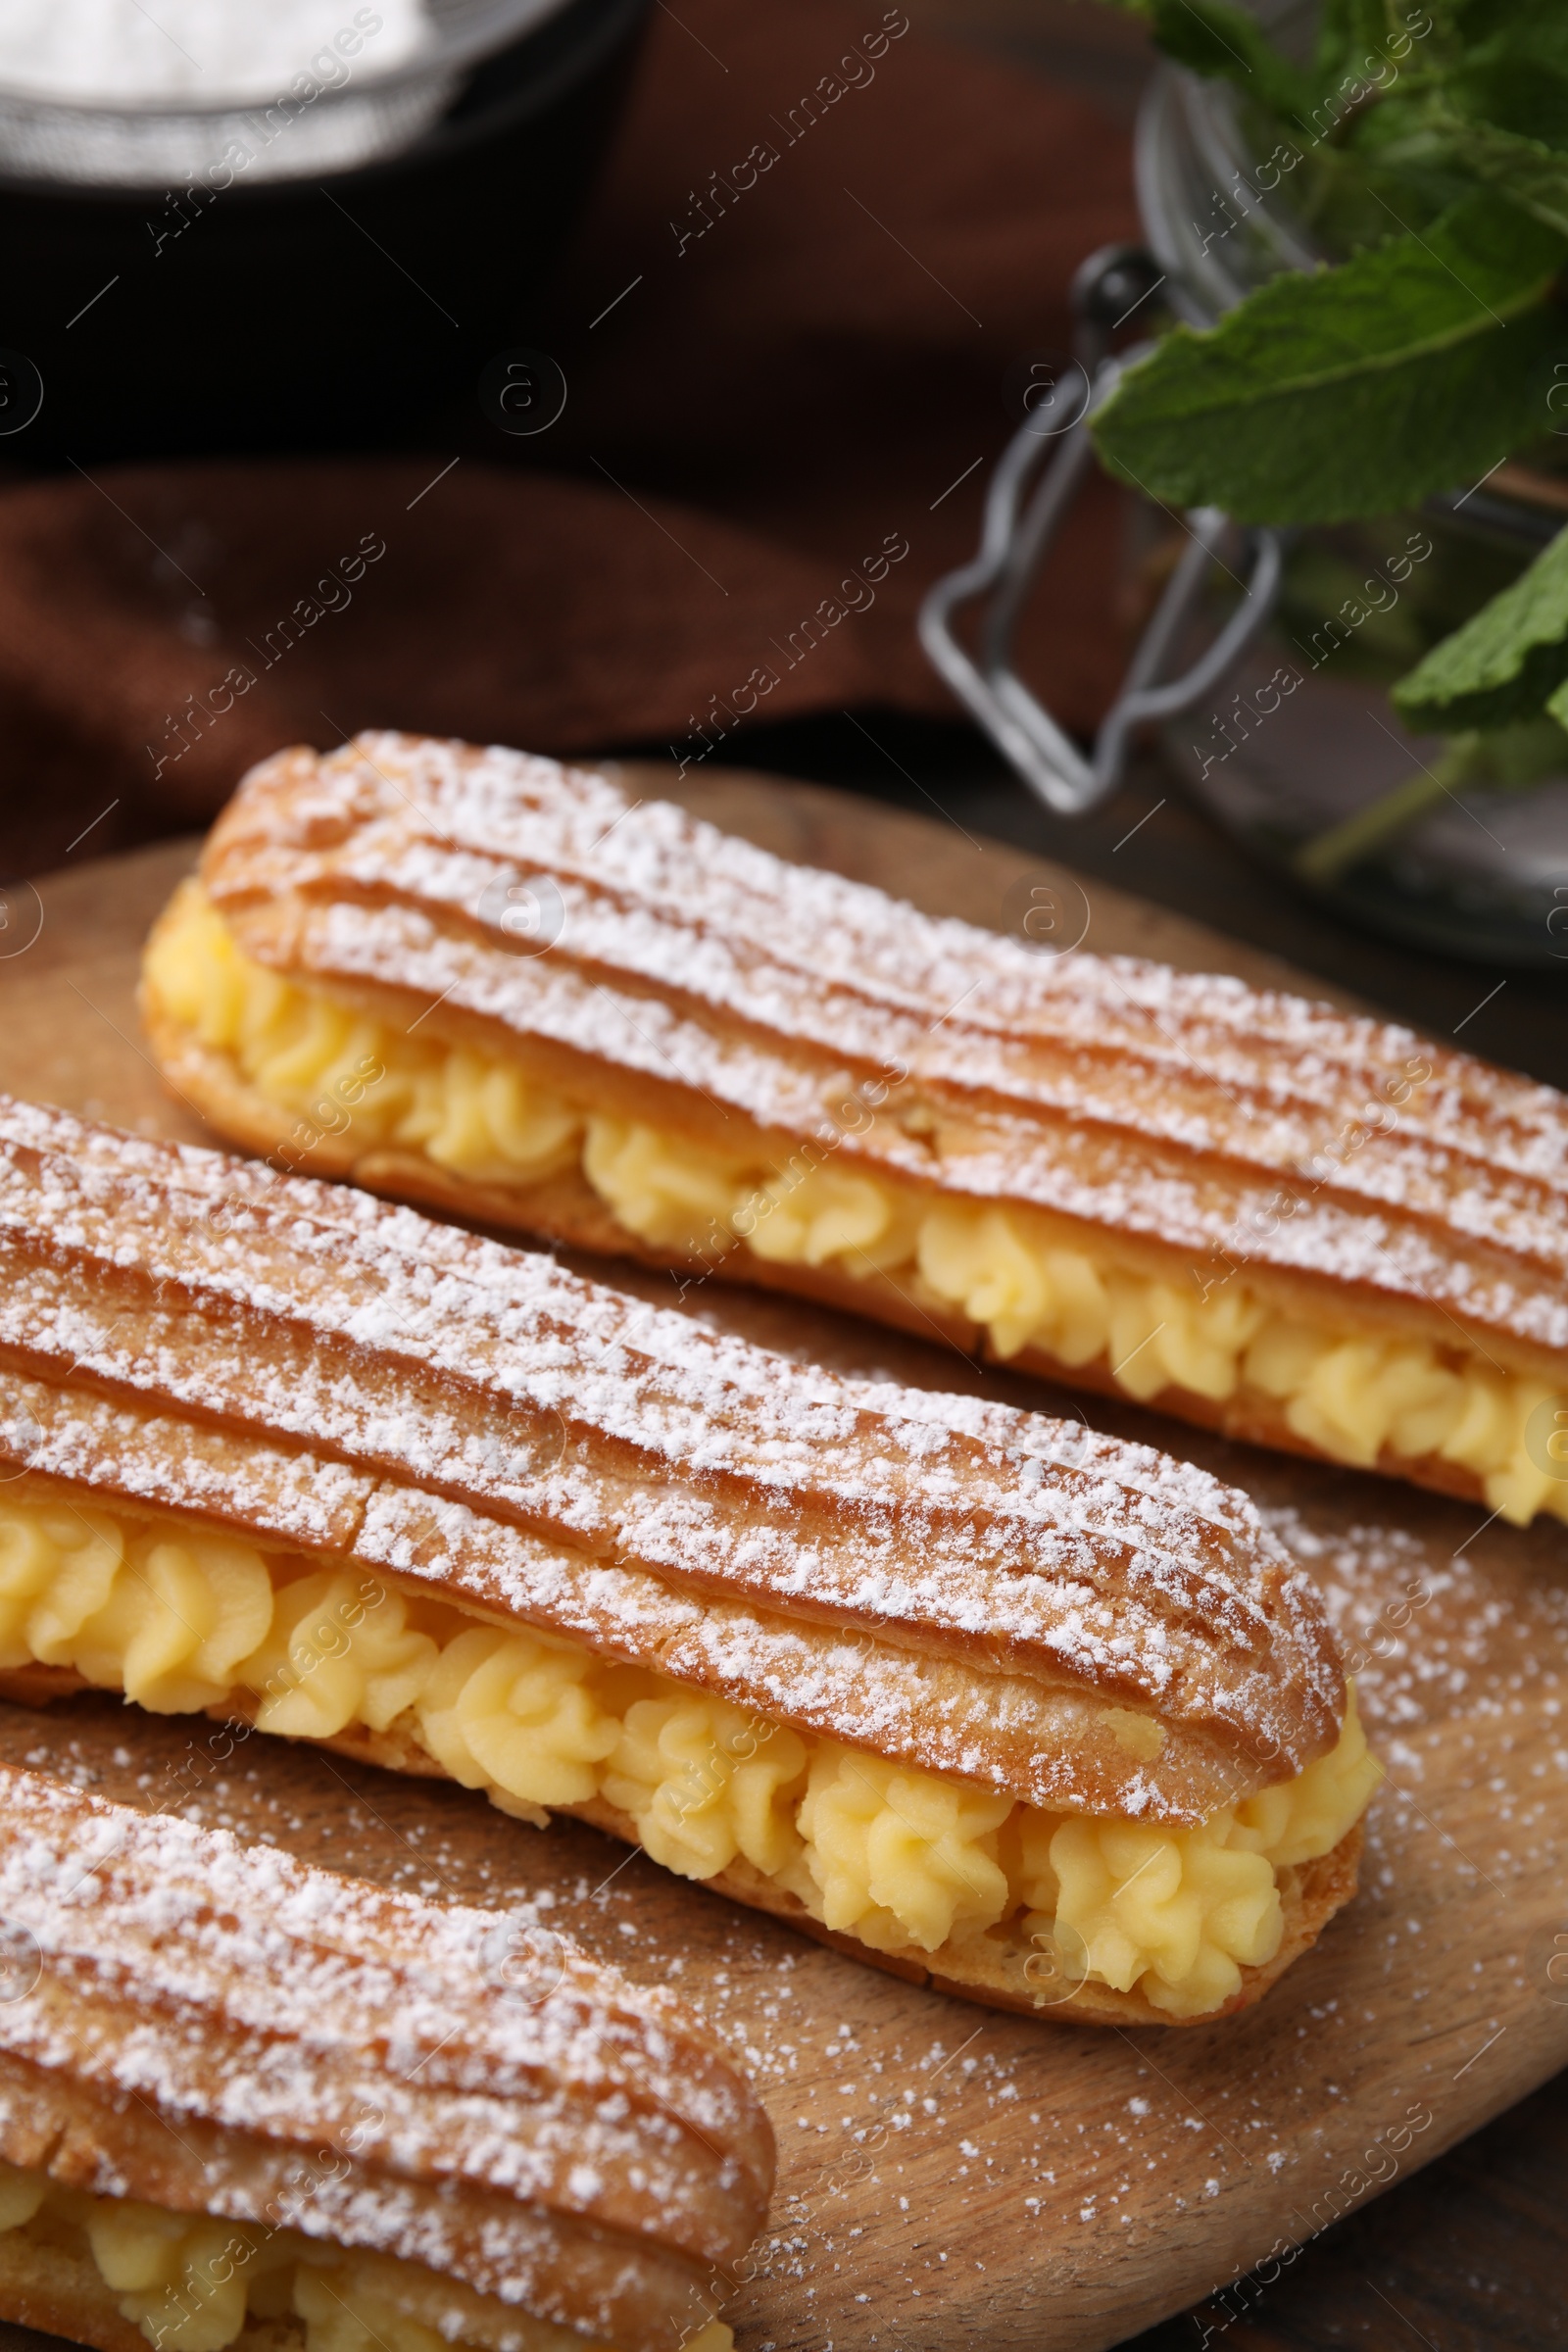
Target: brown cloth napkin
column 772, row 443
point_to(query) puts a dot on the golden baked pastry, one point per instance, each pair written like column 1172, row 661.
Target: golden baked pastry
column 245, row 2102
column 482, row 981
column 1041, row 1716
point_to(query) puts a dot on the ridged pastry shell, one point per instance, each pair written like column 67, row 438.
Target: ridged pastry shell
column 955, row 1586
column 1339, row 1173
column 216, row 2028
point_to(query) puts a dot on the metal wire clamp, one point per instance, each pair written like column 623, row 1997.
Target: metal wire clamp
column 1026, row 504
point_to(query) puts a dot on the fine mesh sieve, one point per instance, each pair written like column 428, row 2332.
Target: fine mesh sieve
column 333, row 117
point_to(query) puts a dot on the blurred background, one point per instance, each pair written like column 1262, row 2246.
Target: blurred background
column 601, row 343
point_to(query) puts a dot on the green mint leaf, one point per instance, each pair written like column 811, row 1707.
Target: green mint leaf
column 1503, row 120
column 1527, row 95
column 1416, row 366
column 1532, row 175
column 1345, row 26
column 1535, row 31
column 1360, row 38
column 1225, row 44
column 1504, row 663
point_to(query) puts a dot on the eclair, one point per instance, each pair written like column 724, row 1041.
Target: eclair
column 487, row 983
column 247, row 2102
column 1043, row 1718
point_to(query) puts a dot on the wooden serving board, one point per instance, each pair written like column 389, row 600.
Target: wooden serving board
column 949, row 2174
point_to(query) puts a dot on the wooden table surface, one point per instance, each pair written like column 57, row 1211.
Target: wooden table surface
column 947, row 2172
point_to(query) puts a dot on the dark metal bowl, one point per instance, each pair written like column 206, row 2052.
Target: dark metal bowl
column 352, row 310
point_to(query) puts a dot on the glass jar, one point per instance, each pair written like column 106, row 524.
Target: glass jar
column 1458, row 844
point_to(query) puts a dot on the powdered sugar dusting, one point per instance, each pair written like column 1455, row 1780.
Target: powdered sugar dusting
column 350, row 2061
column 1137, row 1099
column 495, row 1425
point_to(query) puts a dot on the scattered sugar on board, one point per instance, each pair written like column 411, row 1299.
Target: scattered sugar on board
column 1475, row 1652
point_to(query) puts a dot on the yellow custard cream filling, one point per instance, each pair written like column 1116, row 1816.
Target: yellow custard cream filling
column 193, row 2281
column 876, row 1850
column 1354, row 1396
